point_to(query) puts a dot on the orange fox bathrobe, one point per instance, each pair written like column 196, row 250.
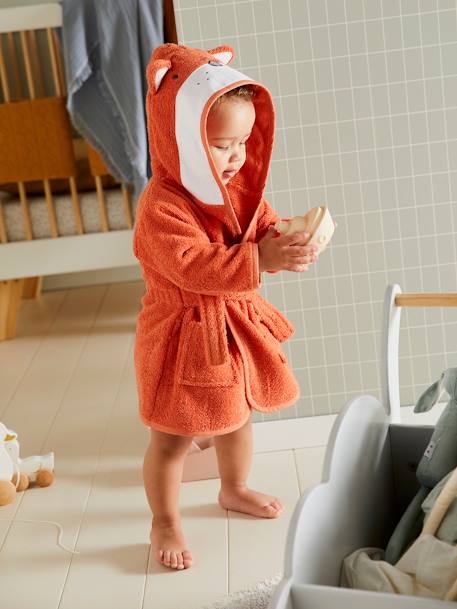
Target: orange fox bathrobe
column 207, row 346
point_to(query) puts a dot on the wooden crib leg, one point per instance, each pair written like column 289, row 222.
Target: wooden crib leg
column 10, row 298
column 32, row 287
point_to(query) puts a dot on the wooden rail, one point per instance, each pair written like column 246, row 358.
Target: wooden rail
column 424, row 299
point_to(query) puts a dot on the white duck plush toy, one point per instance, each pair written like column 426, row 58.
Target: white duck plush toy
column 7, row 470
column 16, row 473
column 39, row 469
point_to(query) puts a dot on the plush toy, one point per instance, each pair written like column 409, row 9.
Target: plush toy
column 439, row 458
column 37, row 469
column 318, row 222
column 447, row 530
column 7, row 488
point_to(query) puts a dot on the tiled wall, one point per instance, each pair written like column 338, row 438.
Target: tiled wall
column 366, row 99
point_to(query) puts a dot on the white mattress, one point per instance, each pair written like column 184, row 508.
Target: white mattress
column 38, row 209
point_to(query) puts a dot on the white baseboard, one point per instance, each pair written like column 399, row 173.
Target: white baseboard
column 305, row 432
column 292, row 433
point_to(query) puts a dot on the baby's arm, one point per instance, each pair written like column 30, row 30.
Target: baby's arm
column 180, row 250
column 267, row 216
column 281, row 252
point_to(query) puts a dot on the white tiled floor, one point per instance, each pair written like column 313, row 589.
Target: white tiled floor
column 67, row 385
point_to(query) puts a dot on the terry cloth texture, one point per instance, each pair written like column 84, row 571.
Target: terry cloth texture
column 107, row 45
column 207, row 347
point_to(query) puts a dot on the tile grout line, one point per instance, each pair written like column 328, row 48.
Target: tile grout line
column 294, row 454
column 40, row 342
column 97, row 463
column 61, row 402
column 22, row 496
column 148, row 562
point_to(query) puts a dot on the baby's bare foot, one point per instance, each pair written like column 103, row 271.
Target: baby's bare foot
column 169, row 546
column 243, row 499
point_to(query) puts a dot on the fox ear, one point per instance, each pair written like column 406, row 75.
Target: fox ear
column 224, row 54
column 156, row 71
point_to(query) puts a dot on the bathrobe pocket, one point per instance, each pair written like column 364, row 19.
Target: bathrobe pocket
column 272, row 340
column 266, row 330
column 192, row 367
column 274, row 321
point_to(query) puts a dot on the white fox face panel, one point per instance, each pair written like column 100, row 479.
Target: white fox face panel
column 191, row 102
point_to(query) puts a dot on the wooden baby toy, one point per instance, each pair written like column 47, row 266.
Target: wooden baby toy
column 38, row 469
column 7, row 488
column 317, row 221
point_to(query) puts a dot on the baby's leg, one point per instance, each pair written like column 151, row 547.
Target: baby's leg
column 234, row 456
column 162, row 472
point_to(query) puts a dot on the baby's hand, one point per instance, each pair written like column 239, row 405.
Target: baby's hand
column 286, row 252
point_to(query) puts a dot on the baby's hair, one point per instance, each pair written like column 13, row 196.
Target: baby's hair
column 244, row 92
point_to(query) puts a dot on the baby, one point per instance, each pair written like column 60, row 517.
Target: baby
column 219, row 344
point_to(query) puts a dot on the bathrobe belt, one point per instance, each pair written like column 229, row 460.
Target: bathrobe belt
column 213, row 313
column 213, row 320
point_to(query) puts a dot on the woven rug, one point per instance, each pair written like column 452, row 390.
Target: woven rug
column 255, row 597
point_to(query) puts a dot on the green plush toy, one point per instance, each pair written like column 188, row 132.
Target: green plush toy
column 439, row 458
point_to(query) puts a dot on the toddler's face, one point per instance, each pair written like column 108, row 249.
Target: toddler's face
column 228, row 127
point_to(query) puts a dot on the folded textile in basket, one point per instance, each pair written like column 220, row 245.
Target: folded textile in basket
column 428, row 568
column 107, row 46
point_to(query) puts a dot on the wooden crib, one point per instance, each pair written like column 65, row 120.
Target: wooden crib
column 60, row 209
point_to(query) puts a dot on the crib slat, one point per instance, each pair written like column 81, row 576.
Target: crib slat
column 36, row 63
column 25, row 211
column 52, row 52
column 426, row 299
column 127, row 208
column 76, row 206
column 60, row 67
column 32, row 287
column 3, row 236
column 27, row 64
column 7, row 97
column 10, row 298
column 13, row 62
column 4, row 74
column 51, row 209
column 101, row 203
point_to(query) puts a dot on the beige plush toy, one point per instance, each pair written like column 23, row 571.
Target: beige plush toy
column 7, row 488
column 318, row 222
column 37, row 470
column 15, row 473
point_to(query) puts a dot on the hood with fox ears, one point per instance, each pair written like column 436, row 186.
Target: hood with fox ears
column 183, row 83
